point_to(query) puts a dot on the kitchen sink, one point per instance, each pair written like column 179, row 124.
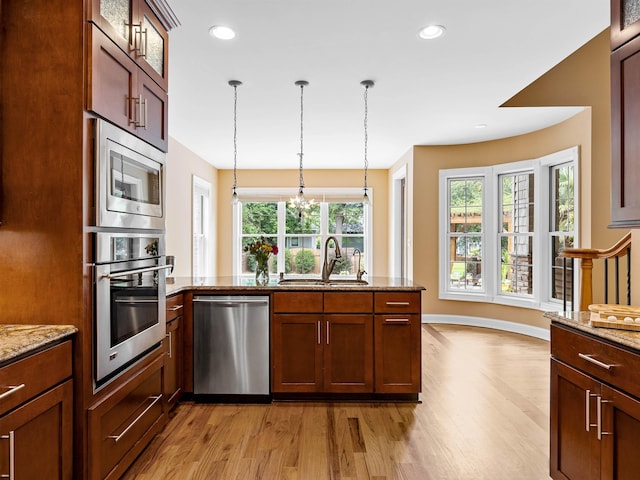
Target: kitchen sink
column 297, row 282
column 300, row 282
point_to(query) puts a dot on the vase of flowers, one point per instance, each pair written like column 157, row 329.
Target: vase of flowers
column 262, row 250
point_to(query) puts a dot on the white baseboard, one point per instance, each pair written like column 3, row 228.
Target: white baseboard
column 537, row 332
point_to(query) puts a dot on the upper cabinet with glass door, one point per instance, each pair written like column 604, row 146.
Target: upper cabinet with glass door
column 625, row 21
column 134, row 27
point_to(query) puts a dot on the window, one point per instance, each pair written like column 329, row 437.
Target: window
column 339, row 214
column 504, row 227
column 465, row 235
column 200, row 211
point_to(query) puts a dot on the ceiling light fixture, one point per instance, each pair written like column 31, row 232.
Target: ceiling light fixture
column 235, row 84
column 431, row 31
column 222, row 32
column 299, row 202
column 367, row 84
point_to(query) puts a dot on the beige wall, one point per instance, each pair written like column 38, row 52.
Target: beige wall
column 377, row 181
column 428, row 161
column 182, row 165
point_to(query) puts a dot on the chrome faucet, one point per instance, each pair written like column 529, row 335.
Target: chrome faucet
column 327, row 267
column 360, row 271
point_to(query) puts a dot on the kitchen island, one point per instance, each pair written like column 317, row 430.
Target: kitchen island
column 328, row 340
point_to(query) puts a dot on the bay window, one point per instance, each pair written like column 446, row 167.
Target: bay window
column 503, row 227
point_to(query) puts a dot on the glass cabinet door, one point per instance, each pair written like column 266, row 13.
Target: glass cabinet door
column 625, row 21
column 118, row 14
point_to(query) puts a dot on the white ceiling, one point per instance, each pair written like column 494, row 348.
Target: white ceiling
column 426, row 93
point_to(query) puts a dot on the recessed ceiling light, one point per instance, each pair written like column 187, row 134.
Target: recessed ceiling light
column 431, row 31
column 221, row 32
column 481, row 125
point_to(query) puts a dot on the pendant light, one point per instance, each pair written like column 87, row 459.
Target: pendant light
column 299, row 202
column 367, row 84
column 235, row 84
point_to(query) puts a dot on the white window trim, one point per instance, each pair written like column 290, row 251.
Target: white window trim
column 271, row 194
column 541, row 298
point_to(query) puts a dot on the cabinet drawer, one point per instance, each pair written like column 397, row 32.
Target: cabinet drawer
column 175, row 306
column 37, row 373
column 593, row 356
column 348, row 302
column 400, row 302
column 297, row 302
column 123, row 423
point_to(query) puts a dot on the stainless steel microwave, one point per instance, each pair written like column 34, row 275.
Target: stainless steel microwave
column 129, row 180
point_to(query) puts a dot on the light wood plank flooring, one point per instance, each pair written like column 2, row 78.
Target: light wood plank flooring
column 484, row 414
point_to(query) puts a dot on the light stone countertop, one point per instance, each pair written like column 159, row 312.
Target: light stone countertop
column 17, row 340
column 244, row 285
column 580, row 321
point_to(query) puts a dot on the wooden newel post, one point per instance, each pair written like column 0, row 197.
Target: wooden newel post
column 586, row 283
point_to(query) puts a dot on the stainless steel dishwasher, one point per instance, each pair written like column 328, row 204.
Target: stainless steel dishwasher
column 231, row 346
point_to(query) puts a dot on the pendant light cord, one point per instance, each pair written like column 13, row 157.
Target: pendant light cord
column 301, row 133
column 366, row 134
column 235, row 84
column 235, row 136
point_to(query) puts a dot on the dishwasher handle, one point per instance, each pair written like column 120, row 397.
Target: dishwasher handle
column 231, row 303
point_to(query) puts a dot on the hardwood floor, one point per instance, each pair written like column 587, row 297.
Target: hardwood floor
column 483, row 414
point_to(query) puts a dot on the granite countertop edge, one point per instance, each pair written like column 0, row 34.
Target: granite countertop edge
column 19, row 340
column 580, row 321
column 181, row 284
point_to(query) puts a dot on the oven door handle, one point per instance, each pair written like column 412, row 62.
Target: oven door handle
column 138, row 270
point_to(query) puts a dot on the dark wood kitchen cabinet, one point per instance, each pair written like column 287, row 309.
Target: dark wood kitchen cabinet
column 36, row 415
column 123, row 94
column 398, row 342
column 595, row 411
column 136, row 29
column 322, row 343
column 173, row 366
column 625, row 113
column 122, row 423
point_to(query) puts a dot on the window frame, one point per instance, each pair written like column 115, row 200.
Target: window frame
column 542, row 248
column 282, row 196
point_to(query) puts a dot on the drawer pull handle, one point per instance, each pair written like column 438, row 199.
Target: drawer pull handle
column 600, row 364
column 12, row 455
column 398, row 304
column 12, row 389
column 396, row 320
column 117, row 438
column 174, row 309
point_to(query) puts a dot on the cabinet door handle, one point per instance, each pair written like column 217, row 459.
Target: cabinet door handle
column 319, row 335
column 600, row 364
column 12, row 455
column 169, row 353
column 12, row 389
column 396, row 320
column 587, row 400
column 176, row 308
column 398, row 304
column 117, row 438
column 327, row 332
column 140, row 46
column 599, row 417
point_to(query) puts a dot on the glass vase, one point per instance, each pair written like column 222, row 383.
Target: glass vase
column 262, row 272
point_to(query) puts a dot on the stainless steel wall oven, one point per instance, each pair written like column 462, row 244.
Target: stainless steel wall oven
column 130, row 299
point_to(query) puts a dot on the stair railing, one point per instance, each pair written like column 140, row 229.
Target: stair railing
column 586, row 256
